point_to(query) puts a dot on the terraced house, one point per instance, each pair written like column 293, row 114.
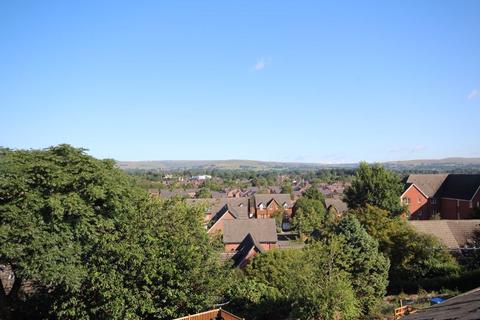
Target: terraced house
column 448, row 196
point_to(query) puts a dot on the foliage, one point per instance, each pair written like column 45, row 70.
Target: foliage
column 313, row 193
column 416, row 256
column 286, row 188
column 378, row 223
column 327, row 292
column 361, row 259
column 412, row 255
column 95, row 246
column 470, row 257
column 310, row 215
column 463, row 281
column 305, row 284
column 375, row 186
column 203, row 193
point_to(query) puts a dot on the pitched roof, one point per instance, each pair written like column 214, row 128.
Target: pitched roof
column 280, row 198
column 212, row 314
column 461, row 186
column 244, row 249
column 454, row 234
column 465, row 306
column 429, row 184
column 338, row 204
column 264, row 230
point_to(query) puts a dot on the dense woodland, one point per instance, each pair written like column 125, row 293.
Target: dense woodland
column 85, row 241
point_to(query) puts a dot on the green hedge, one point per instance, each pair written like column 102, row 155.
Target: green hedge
column 462, row 282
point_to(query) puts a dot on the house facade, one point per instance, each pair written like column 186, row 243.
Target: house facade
column 264, row 231
column 264, row 206
column 449, row 196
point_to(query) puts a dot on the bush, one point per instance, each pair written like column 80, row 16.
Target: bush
column 462, row 282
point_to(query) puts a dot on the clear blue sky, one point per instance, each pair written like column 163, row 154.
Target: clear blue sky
column 280, row 80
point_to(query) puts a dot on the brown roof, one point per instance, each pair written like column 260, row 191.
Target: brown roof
column 454, row 234
column 264, row 230
column 465, row 306
column 280, row 198
column 429, row 184
column 244, row 249
column 212, row 314
column 338, row 204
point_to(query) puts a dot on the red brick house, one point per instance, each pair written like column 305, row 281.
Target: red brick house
column 231, row 208
column 214, row 314
column 246, row 251
column 266, row 205
column 264, row 232
column 452, row 196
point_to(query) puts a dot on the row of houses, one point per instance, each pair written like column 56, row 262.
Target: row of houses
column 247, row 224
column 445, row 196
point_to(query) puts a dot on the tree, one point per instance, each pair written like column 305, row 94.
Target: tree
column 302, row 284
column 203, row 193
column 413, row 255
column 287, row 188
column 379, row 224
column 416, row 256
column 313, row 193
column 89, row 244
column 367, row 266
column 375, row 186
column 326, row 292
column 310, row 215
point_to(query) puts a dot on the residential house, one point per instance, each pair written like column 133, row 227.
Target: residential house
column 234, row 193
column 215, row 314
column 264, row 231
column 246, row 251
column 189, row 193
column 266, row 205
column 336, row 204
column 450, row 196
column 229, row 209
column 211, row 205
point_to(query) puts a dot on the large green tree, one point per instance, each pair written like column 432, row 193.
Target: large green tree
column 375, row 185
column 303, row 284
column 310, row 215
column 84, row 242
column 367, row 266
column 413, row 255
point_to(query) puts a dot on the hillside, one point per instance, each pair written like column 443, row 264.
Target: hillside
column 447, row 164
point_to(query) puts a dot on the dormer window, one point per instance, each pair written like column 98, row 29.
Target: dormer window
column 261, row 206
column 241, row 205
column 285, row 205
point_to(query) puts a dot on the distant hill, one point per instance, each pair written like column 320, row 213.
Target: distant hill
column 447, row 164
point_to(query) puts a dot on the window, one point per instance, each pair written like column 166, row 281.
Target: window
column 261, row 206
column 433, row 201
column 419, row 200
column 406, row 200
column 478, row 204
column 470, row 204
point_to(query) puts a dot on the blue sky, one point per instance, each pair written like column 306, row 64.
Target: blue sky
column 331, row 82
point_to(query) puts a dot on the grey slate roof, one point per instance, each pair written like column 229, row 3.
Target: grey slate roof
column 455, row 234
column 280, row 198
column 465, row 306
column 427, row 183
column 460, row 186
column 264, row 230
